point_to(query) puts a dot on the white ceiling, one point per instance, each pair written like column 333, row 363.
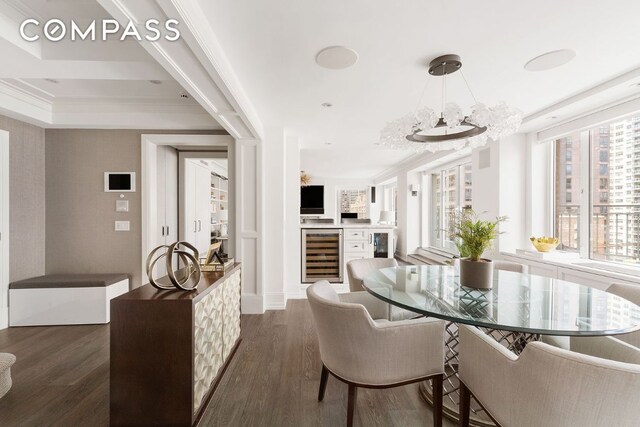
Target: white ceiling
column 102, row 84
column 271, row 46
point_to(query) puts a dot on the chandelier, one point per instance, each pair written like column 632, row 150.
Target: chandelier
column 452, row 129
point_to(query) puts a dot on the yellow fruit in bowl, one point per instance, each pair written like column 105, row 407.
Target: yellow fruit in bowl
column 545, row 244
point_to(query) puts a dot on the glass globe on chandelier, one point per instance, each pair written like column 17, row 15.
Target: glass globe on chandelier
column 424, row 130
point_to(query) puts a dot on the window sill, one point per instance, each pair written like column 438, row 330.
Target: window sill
column 612, row 270
column 436, row 254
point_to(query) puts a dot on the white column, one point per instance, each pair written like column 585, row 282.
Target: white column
column 274, row 181
column 499, row 189
column 292, row 253
column 250, row 222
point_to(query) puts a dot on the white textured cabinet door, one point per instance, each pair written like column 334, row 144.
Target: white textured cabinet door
column 231, row 312
column 208, row 344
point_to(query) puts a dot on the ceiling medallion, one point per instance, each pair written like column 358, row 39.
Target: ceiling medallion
column 423, row 130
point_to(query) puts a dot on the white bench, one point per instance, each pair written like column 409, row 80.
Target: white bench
column 64, row 299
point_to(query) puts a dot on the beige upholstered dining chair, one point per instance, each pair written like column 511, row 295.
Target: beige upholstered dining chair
column 364, row 353
column 545, row 385
column 510, row 266
column 6, row 362
column 357, row 269
column 623, row 348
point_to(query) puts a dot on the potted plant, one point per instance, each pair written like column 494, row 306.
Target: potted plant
column 473, row 237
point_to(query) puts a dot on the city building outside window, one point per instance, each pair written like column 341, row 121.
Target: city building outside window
column 354, row 201
column 600, row 216
column 451, row 193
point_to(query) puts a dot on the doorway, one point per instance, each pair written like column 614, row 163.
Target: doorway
column 153, row 196
column 205, row 196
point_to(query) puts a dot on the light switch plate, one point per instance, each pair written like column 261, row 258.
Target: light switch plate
column 122, row 226
column 122, row 206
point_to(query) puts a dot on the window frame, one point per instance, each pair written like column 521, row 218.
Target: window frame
column 443, row 244
column 586, row 185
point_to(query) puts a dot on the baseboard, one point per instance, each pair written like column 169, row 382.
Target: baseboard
column 4, row 318
column 252, row 304
column 275, row 301
column 299, row 294
column 340, row 288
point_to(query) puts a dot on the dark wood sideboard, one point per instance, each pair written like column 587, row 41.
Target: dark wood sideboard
column 169, row 350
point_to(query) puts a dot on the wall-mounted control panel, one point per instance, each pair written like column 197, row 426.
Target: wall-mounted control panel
column 123, row 226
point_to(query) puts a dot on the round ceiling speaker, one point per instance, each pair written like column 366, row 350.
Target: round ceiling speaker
column 550, row 60
column 336, row 57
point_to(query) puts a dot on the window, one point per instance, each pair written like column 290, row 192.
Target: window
column 390, row 199
column 354, row 201
column 567, row 213
column 604, row 155
column 604, row 183
column 606, row 226
column 451, row 192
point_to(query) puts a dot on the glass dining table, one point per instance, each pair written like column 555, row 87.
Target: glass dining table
column 518, row 309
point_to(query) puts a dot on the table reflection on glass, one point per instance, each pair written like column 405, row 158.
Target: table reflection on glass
column 518, row 309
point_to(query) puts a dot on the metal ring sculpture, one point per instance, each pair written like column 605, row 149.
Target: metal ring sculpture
column 190, row 272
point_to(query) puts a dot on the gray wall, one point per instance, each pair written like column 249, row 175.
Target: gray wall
column 27, row 199
column 80, row 235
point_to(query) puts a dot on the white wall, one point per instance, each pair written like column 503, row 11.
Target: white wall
column 332, row 186
column 275, row 212
column 250, row 243
column 499, row 189
column 4, row 229
column 292, row 253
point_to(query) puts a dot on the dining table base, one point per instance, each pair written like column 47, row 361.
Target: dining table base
column 513, row 341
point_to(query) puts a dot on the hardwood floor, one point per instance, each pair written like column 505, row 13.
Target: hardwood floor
column 61, row 378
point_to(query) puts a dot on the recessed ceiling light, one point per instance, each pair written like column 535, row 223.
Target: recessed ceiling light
column 327, row 104
column 336, row 57
column 52, row 81
column 155, row 82
column 550, row 60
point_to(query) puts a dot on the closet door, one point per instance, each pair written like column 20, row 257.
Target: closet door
column 190, row 216
column 159, row 235
column 171, row 195
column 203, row 209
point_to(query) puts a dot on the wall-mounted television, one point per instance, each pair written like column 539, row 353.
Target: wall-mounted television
column 312, row 200
column 120, row 182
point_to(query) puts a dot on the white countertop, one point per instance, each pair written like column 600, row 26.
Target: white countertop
column 384, row 226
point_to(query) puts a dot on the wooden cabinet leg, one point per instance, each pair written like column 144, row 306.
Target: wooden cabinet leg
column 324, row 376
column 351, row 404
column 465, row 405
column 436, row 386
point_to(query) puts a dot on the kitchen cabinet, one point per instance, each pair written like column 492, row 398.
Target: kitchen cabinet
column 367, row 243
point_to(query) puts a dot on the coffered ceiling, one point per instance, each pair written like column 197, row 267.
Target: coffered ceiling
column 97, row 84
